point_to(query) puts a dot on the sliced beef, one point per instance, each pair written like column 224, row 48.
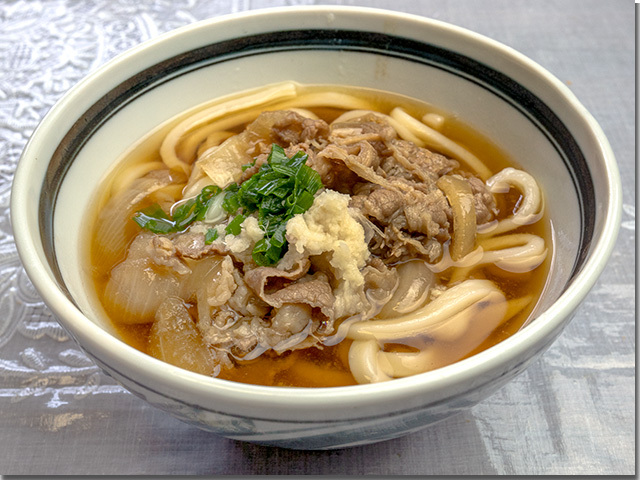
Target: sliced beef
column 370, row 128
column 277, row 287
column 482, row 199
column 292, row 129
column 419, row 163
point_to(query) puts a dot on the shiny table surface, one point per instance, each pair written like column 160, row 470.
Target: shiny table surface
column 571, row 412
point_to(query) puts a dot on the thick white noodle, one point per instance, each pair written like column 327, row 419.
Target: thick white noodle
column 263, row 96
column 472, row 259
column 365, row 364
column 325, row 99
column 518, row 259
column 519, row 253
column 473, row 304
column 353, row 114
column 532, row 207
column 124, row 180
column 433, row 120
column 430, row 318
column 403, row 364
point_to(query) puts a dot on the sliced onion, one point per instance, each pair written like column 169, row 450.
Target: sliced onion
column 416, row 281
column 460, row 197
column 175, row 339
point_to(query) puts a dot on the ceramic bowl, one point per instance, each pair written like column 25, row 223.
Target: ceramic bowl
column 529, row 113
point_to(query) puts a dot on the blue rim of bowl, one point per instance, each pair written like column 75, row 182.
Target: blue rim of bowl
column 499, row 84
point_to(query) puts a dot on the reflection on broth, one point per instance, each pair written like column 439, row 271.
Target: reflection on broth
column 317, row 236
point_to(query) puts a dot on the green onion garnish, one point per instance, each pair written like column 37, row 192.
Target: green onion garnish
column 210, row 236
column 234, row 226
column 154, row 219
column 280, row 189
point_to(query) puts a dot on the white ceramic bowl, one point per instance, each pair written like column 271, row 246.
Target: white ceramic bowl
column 509, row 98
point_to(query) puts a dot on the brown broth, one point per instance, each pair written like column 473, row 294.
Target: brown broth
column 329, row 366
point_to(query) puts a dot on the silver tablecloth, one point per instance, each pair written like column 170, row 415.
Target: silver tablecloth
column 572, row 412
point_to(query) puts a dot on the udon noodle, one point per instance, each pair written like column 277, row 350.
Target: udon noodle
column 317, row 236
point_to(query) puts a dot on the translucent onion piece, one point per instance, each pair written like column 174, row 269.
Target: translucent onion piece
column 216, row 130
column 457, row 304
column 175, row 339
column 137, row 288
column 260, row 97
column 460, row 197
column 531, row 209
column 112, row 221
column 437, row 140
column 205, row 271
column 223, row 164
column 416, row 281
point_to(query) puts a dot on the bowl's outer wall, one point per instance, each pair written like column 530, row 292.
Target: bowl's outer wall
column 419, row 399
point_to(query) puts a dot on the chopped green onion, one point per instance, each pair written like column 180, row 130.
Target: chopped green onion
column 231, row 203
column 235, row 226
column 154, row 219
column 281, row 188
column 210, row 236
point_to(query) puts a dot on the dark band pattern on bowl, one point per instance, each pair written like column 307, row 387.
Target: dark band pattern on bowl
column 499, row 84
